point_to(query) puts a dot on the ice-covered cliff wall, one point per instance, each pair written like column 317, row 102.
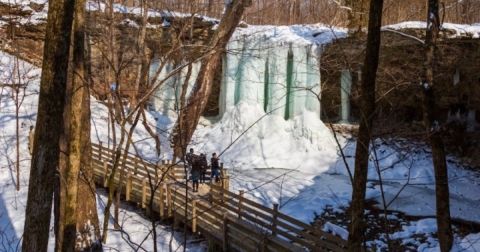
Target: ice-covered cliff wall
column 276, row 67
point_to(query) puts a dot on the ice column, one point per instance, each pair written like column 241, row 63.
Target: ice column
column 164, row 97
column 230, row 68
column 456, row 77
column 277, row 78
column 312, row 102
column 346, row 84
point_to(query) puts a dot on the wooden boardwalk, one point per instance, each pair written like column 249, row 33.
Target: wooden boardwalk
column 229, row 220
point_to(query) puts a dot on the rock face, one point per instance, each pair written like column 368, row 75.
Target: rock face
column 400, row 72
column 18, row 32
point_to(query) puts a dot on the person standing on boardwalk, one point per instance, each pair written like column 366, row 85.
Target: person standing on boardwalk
column 189, row 158
column 196, row 171
column 203, row 167
column 215, row 167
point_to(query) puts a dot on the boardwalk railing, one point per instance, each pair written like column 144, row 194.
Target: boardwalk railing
column 231, row 221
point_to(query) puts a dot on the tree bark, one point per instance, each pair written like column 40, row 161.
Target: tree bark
column 142, row 60
column 88, row 231
column 75, row 130
column 49, row 123
column 367, row 109
column 445, row 235
column 197, row 102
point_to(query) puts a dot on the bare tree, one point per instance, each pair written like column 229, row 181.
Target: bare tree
column 434, row 131
column 197, row 102
column 367, row 110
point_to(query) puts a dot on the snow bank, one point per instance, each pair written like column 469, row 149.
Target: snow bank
column 296, row 34
column 249, row 138
column 459, row 29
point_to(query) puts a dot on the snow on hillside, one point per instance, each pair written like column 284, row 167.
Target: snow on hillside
column 296, row 34
column 13, row 203
column 303, row 172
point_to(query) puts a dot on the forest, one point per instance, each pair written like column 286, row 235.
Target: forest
column 339, row 125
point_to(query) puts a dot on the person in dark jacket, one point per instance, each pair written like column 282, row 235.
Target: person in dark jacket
column 215, row 167
column 195, row 173
column 202, row 162
column 189, row 158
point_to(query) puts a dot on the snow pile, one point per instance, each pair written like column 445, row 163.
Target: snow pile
column 336, row 230
column 296, row 34
column 246, row 134
column 460, row 30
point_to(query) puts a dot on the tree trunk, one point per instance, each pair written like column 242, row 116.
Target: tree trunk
column 141, row 57
column 45, row 158
column 367, row 109
column 445, row 235
column 88, row 231
column 75, row 130
column 197, row 102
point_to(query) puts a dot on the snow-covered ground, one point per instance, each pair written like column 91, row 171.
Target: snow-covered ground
column 293, row 163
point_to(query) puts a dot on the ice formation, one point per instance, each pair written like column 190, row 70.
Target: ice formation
column 276, row 68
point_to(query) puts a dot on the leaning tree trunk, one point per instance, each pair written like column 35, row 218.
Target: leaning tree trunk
column 445, row 235
column 367, row 109
column 197, row 102
column 45, row 157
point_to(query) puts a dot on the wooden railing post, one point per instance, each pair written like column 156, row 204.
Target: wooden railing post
column 194, row 216
column 162, row 203
column 225, row 232
column 105, row 174
column 144, row 193
column 226, row 183
column 240, row 204
column 100, row 151
column 31, row 136
column 169, row 200
column 128, row 187
column 274, row 222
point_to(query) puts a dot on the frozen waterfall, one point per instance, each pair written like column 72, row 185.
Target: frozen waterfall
column 283, row 78
column 280, row 73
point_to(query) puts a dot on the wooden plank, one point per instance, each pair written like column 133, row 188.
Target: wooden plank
column 128, row 187
column 194, row 216
column 144, row 193
column 105, row 174
column 169, row 200
column 225, row 233
column 162, row 202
